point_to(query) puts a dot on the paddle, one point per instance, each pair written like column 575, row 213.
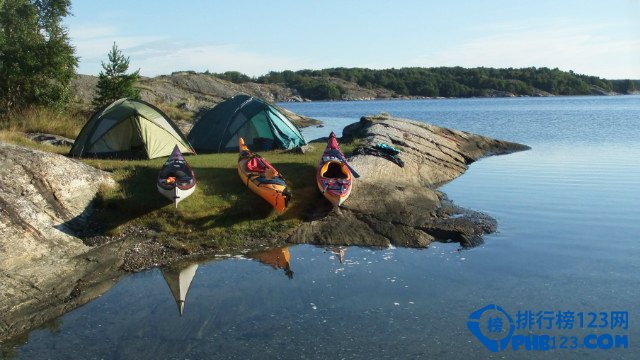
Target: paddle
column 341, row 157
column 355, row 174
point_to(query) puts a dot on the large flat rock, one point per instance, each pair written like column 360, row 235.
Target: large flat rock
column 43, row 200
column 397, row 205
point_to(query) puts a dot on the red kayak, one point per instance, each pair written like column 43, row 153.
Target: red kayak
column 333, row 175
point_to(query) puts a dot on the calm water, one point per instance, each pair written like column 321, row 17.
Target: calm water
column 568, row 240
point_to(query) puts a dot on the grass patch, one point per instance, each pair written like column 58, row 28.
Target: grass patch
column 221, row 213
column 175, row 113
column 45, row 120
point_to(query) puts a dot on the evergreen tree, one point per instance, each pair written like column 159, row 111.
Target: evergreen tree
column 37, row 62
column 114, row 82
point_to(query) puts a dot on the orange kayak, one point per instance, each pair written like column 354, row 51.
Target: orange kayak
column 278, row 258
column 262, row 178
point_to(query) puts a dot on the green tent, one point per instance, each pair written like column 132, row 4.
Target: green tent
column 260, row 124
column 129, row 128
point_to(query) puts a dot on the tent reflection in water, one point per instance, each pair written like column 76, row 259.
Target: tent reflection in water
column 179, row 278
column 278, row 258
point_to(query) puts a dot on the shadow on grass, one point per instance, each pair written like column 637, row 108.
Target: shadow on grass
column 137, row 198
column 306, row 199
column 221, row 201
column 235, row 202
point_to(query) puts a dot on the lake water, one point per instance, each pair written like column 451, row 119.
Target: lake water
column 567, row 251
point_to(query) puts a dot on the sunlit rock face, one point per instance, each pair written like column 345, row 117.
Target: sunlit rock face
column 44, row 198
column 398, row 205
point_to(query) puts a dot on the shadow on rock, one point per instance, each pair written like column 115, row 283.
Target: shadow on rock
column 398, row 205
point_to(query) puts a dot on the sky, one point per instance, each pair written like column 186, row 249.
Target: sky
column 599, row 38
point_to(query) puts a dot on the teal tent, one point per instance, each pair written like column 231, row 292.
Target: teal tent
column 259, row 123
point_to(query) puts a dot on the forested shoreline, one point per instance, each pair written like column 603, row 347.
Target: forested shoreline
column 439, row 82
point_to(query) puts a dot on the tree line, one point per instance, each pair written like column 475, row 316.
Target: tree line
column 38, row 65
column 439, row 81
column 38, row 62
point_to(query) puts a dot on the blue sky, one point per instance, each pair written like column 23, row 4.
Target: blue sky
column 600, row 38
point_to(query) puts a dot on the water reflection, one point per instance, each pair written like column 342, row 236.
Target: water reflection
column 277, row 258
column 179, row 277
column 339, row 252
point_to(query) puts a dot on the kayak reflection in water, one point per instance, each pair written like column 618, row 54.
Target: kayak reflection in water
column 338, row 251
column 278, row 258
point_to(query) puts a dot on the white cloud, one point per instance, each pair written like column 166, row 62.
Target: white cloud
column 163, row 57
column 157, row 55
column 93, row 43
column 595, row 49
column 588, row 49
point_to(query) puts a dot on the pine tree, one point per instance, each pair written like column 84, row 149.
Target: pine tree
column 37, row 62
column 114, row 82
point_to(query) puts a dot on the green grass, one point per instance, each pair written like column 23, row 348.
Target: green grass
column 45, row 120
column 42, row 120
column 221, row 213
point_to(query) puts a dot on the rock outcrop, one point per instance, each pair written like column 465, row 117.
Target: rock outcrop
column 397, row 205
column 50, row 139
column 195, row 93
column 202, row 90
column 597, row 90
column 44, row 197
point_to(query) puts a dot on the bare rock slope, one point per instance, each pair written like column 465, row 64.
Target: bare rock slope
column 42, row 197
column 195, row 93
column 192, row 91
column 397, row 205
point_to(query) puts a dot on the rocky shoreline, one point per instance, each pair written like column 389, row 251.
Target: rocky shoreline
column 393, row 205
column 44, row 198
column 193, row 92
column 47, row 270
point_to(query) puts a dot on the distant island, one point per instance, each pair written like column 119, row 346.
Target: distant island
column 341, row 83
column 183, row 94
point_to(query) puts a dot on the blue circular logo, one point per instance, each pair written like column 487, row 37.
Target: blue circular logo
column 492, row 326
